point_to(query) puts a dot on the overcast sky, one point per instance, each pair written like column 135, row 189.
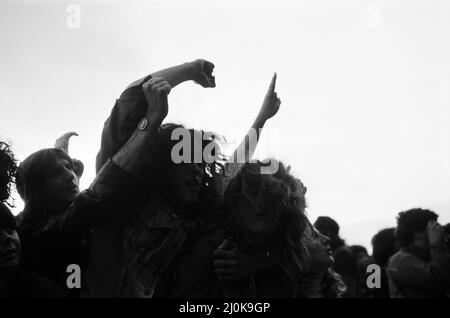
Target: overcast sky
column 365, row 88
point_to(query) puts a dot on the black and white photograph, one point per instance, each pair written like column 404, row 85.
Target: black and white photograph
column 223, row 155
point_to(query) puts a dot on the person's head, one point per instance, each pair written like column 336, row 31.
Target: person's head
column 359, row 251
column 263, row 205
column 362, row 257
column 7, row 171
column 184, row 166
column 412, row 227
column 319, row 249
column 9, row 240
column 47, row 183
column 383, row 246
column 269, row 209
column 329, row 227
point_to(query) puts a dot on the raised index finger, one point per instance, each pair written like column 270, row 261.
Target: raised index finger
column 272, row 83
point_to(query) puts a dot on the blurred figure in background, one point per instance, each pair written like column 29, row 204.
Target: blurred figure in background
column 363, row 260
column 421, row 268
column 383, row 247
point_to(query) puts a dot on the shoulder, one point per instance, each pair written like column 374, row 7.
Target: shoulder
column 403, row 259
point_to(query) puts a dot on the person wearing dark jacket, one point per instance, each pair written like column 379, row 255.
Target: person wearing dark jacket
column 141, row 256
column 57, row 220
column 15, row 283
column 383, row 247
column 421, row 268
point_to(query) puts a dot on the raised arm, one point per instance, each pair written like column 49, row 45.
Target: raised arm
column 117, row 187
column 132, row 105
column 199, row 71
column 247, row 147
column 132, row 155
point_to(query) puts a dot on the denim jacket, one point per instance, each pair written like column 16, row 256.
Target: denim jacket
column 128, row 257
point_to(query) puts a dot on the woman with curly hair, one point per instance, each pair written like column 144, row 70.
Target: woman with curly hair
column 259, row 252
column 319, row 280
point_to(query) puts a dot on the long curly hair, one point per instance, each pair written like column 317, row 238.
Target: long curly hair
column 281, row 190
column 159, row 161
column 8, row 167
column 331, row 285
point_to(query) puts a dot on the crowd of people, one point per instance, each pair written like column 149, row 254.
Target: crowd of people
column 207, row 227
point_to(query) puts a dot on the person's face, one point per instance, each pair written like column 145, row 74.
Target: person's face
column 185, row 182
column 257, row 213
column 319, row 249
column 332, row 236
column 61, row 187
column 9, row 249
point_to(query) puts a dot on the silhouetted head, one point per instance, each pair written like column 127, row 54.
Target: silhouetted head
column 383, row 246
column 359, row 251
column 329, row 227
column 412, row 227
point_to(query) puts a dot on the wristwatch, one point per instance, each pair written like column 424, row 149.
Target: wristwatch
column 143, row 124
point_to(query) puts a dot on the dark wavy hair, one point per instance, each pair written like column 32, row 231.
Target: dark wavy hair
column 410, row 222
column 383, row 246
column 8, row 167
column 283, row 190
column 30, row 176
column 159, row 162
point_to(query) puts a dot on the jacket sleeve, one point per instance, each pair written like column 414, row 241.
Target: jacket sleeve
column 123, row 120
column 433, row 276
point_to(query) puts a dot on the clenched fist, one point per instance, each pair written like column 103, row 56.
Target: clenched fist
column 202, row 73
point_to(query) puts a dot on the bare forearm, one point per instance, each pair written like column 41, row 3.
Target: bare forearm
column 246, row 149
column 174, row 75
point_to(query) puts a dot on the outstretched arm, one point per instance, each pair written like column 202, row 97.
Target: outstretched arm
column 132, row 155
column 199, row 71
column 132, row 105
column 118, row 185
column 247, row 147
